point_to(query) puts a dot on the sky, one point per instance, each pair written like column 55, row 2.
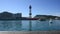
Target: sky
column 39, row 7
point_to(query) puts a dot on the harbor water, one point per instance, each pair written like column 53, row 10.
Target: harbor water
column 24, row 25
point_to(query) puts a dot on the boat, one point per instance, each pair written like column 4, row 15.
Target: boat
column 50, row 21
column 42, row 19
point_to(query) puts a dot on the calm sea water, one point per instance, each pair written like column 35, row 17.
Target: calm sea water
column 23, row 25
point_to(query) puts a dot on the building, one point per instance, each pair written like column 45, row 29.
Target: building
column 8, row 15
column 45, row 16
column 18, row 16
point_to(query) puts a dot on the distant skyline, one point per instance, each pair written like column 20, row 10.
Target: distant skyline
column 39, row 7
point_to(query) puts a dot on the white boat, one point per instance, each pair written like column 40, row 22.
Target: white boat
column 42, row 19
column 50, row 21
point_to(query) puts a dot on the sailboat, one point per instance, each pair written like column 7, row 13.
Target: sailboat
column 50, row 21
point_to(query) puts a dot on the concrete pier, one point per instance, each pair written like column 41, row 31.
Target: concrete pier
column 30, row 32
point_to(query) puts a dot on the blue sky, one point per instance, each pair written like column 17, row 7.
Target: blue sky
column 41, row 7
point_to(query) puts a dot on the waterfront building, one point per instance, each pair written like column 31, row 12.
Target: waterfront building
column 8, row 15
column 17, row 16
column 45, row 16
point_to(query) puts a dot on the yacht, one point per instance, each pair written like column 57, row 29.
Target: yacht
column 50, row 21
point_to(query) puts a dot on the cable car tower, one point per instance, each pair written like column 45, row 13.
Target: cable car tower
column 30, row 14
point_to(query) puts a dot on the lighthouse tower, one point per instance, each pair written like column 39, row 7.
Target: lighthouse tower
column 30, row 14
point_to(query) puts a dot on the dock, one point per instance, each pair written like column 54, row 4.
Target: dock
column 29, row 32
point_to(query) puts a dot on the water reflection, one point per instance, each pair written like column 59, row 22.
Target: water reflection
column 30, row 25
column 18, row 25
column 10, row 25
column 26, row 25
